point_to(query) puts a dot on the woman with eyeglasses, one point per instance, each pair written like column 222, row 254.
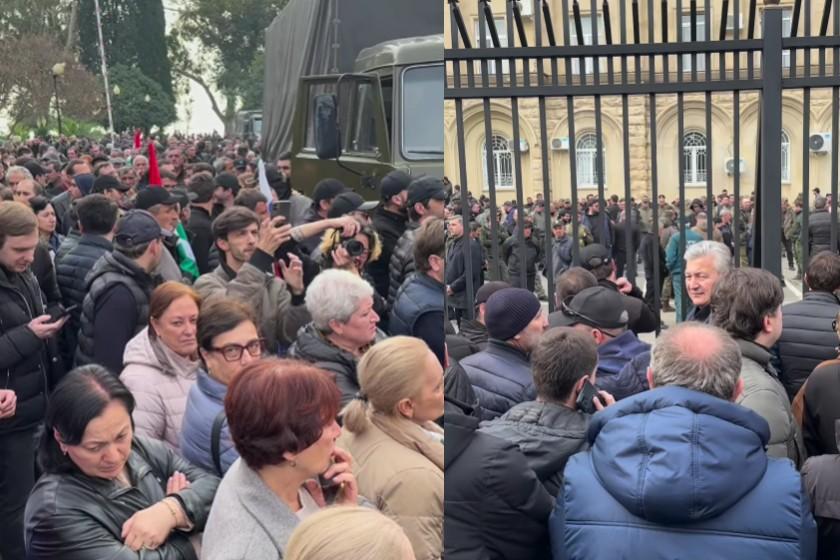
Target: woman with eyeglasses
column 161, row 362
column 227, row 341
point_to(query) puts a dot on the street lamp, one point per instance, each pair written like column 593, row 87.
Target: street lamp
column 57, row 70
column 117, row 90
column 148, row 98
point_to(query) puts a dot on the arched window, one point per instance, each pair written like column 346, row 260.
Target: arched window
column 694, row 157
column 502, row 163
column 785, row 157
column 587, row 165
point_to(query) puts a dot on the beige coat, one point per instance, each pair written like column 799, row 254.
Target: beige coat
column 160, row 381
column 399, row 467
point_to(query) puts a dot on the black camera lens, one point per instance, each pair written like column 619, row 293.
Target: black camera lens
column 354, row 247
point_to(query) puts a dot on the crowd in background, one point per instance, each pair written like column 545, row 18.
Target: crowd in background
column 199, row 360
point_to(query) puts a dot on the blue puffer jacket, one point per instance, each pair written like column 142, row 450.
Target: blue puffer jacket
column 205, row 401
column 675, row 473
column 622, row 365
column 501, row 378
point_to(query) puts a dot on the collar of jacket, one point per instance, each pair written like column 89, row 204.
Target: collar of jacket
column 210, row 386
column 95, row 240
column 389, row 215
column 755, row 352
column 110, row 489
column 496, row 346
column 460, row 432
column 412, row 436
column 826, row 297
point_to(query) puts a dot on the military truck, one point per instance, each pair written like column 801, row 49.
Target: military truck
column 365, row 102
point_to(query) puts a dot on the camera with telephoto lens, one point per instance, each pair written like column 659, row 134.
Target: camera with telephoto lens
column 353, row 247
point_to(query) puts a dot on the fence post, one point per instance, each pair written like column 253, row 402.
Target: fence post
column 769, row 216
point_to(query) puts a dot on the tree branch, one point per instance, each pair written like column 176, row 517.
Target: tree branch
column 200, row 81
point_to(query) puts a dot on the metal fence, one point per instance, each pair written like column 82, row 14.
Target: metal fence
column 638, row 62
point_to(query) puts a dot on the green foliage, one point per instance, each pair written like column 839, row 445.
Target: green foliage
column 33, row 17
column 133, row 33
column 130, row 108
column 231, row 34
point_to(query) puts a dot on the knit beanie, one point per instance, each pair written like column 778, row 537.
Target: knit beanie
column 509, row 311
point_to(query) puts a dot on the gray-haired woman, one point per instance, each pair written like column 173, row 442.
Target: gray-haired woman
column 343, row 327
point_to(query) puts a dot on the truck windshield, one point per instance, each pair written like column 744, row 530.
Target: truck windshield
column 422, row 112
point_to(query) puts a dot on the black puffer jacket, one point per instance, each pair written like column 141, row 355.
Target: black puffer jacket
column 402, row 260
column 311, row 346
column 27, row 363
column 496, row 508
column 546, row 433
column 73, row 268
column 807, row 338
column 475, row 331
column 390, row 227
column 819, row 232
column 77, row 517
column 821, row 409
column 821, row 477
column 516, row 266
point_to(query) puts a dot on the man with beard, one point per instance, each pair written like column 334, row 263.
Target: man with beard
column 389, row 221
column 599, row 224
column 281, row 184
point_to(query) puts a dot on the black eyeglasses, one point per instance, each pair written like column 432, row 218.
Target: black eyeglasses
column 233, row 352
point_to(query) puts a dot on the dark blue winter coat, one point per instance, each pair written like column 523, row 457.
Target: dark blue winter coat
column 675, row 473
column 501, row 378
column 622, row 365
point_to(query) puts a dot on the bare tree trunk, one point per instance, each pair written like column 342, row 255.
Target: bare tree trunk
column 206, row 87
column 72, row 25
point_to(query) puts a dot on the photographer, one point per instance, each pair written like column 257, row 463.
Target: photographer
column 353, row 253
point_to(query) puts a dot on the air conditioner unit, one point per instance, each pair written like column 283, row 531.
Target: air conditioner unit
column 560, row 144
column 730, row 166
column 526, row 8
column 820, row 143
column 730, row 27
column 523, row 145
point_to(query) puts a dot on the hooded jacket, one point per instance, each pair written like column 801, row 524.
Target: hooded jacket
column 501, row 377
column 675, row 473
column 496, row 509
column 160, row 381
column 546, row 433
column 622, row 365
column 311, row 346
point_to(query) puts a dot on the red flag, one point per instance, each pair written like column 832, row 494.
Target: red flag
column 154, row 172
column 137, row 143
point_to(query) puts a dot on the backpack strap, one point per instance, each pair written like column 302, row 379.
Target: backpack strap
column 215, row 437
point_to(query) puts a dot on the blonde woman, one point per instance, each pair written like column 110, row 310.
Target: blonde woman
column 349, row 532
column 389, row 429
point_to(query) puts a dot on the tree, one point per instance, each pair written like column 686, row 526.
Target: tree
column 130, row 108
column 26, row 82
column 19, row 18
column 231, row 34
column 133, row 34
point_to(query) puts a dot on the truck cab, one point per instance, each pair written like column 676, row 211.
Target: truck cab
column 387, row 114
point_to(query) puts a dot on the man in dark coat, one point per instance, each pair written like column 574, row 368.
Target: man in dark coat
column 501, row 373
column 551, row 428
column 29, row 361
column 488, row 479
column 634, row 493
column 517, row 264
column 819, row 228
column 807, row 336
column 200, row 225
column 389, row 221
column 599, row 224
column 623, row 229
column 456, row 267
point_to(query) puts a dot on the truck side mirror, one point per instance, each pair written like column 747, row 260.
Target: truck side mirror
column 327, row 140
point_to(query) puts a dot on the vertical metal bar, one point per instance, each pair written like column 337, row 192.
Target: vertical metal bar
column 823, row 32
column 771, row 141
column 680, row 38
column 664, row 27
column 599, row 151
column 523, row 41
column 483, row 25
column 637, row 39
column 605, row 10
column 835, row 105
column 629, row 211
column 517, row 167
column 682, row 201
column 724, row 15
column 736, row 34
column 693, row 23
column 651, row 40
column 751, row 35
column 806, row 176
column 593, row 20
column 707, row 36
column 736, row 189
column 546, row 182
column 570, row 118
column 710, row 174
column 549, row 30
column 462, row 159
column 580, row 41
column 657, row 273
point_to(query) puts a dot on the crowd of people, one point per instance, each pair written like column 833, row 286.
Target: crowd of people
column 569, row 437
column 203, row 362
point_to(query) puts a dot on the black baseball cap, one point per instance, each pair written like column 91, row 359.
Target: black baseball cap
column 154, row 196
column 394, row 183
column 488, row 289
column 108, row 182
column 348, row 202
column 327, row 189
column 227, row 181
column 137, row 227
column 594, row 255
column 598, row 307
column 424, row 189
column 183, row 196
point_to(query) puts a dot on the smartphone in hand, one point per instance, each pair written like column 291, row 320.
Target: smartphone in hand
column 60, row 312
column 282, row 208
column 584, row 399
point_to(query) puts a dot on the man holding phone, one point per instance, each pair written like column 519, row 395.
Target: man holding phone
column 28, row 357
